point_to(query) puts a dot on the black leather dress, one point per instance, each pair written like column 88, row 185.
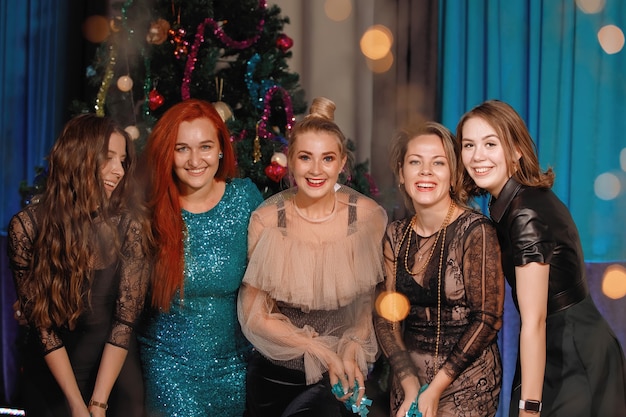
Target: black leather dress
column 585, row 367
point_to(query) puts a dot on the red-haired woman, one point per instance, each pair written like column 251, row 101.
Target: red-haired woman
column 80, row 259
column 191, row 350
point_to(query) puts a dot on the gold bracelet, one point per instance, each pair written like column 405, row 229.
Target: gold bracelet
column 98, row 404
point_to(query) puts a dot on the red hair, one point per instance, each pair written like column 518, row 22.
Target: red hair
column 167, row 221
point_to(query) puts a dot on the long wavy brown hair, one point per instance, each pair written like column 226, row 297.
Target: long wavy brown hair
column 74, row 197
column 513, row 135
column 167, row 221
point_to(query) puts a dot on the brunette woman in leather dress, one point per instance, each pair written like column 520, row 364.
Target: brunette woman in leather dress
column 570, row 363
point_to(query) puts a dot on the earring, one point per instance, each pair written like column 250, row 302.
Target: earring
column 220, row 155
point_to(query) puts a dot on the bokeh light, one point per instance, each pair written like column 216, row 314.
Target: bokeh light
column 607, row 186
column 590, row 6
column 376, row 42
column 611, row 39
column 338, row 10
column 392, row 306
column 614, row 282
column 96, row 28
column 382, row 65
column 125, row 83
column 622, row 159
column 132, row 131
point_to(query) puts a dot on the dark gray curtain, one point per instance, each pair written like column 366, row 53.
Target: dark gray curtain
column 407, row 93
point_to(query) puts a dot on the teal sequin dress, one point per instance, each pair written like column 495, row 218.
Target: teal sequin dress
column 193, row 356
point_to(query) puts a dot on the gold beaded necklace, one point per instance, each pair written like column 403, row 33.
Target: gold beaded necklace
column 410, row 227
column 442, row 232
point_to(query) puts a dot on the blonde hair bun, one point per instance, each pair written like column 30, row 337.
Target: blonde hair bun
column 323, row 108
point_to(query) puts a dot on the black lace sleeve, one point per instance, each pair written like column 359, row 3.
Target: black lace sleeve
column 484, row 287
column 21, row 235
column 134, row 273
column 389, row 333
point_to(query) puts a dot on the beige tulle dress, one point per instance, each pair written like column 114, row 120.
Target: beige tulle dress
column 310, row 283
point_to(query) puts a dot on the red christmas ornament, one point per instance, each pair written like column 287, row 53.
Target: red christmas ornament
column 155, row 99
column 275, row 172
column 284, row 42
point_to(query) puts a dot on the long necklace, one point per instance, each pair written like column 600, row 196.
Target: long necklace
column 442, row 231
column 408, row 230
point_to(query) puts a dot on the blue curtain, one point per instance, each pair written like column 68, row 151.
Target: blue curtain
column 32, row 36
column 32, row 51
column 544, row 58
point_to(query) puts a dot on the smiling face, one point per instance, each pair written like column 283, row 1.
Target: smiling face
column 112, row 171
column 316, row 163
column 483, row 155
column 425, row 172
column 196, row 155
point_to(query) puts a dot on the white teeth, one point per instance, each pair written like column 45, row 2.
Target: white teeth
column 425, row 185
column 315, row 181
column 109, row 183
column 481, row 170
column 196, row 171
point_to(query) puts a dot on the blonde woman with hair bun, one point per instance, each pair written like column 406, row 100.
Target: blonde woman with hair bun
column 306, row 300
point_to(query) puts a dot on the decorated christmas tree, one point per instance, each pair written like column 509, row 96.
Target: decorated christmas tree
column 154, row 53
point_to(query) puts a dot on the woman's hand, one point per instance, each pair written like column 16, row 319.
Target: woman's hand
column 354, row 373
column 428, row 403
column 337, row 374
column 411, row 387
column 78, row 408
column 97, row 411
column 18, row 315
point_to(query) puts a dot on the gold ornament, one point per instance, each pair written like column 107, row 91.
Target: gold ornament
column 158, row 32
column 256, row 155
column 115, row 24
column 222, row 108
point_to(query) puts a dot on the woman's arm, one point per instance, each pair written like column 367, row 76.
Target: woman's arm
column 59, row 364
column 532, row 295
column 276, row 337
column 113, row 358
column 389, row 332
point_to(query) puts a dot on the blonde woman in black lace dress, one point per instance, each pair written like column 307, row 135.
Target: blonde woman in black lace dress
column 444, row 263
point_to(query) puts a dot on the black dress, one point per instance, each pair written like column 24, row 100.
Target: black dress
column 464, row 346
column 117, row 297
column 585, row 371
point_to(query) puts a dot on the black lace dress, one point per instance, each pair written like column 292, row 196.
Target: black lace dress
column 117, row 297
column 469, row 314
